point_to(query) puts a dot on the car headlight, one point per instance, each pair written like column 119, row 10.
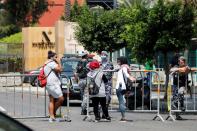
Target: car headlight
column 65, row 81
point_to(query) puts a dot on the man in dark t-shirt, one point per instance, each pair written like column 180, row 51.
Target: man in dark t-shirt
column 81, row 72
column 180, row 80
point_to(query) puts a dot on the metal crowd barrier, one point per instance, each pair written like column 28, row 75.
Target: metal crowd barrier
column 190, row 99
column 139, row 103
column 22, row 100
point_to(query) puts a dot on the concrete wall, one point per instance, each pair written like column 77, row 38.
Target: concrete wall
column 36, row 46
column 71, row 44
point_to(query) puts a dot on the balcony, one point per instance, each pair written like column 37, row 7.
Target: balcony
column 106, row 4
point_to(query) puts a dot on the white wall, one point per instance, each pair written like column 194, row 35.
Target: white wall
column 71, row 44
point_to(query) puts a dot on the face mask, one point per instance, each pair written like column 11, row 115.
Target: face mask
column 103, row 57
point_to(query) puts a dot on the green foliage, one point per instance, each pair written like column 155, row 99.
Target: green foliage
column 6, row 26
column 75, row 11
column 8, row 30
column 165, row 27
column 25, row 12
column 72, row 12
column 135, row 32
column 99, row 30
column 38, row 8
column 175, row 28
column 4, row 18
column 18, row 13
column 15, row 38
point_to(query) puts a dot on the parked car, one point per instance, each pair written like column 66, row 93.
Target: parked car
column 69, row 64
column 31, row 76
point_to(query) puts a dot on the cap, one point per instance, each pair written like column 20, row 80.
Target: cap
column 94, row 65
column 104, row 52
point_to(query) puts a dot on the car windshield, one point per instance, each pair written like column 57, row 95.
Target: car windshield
column 69, row 65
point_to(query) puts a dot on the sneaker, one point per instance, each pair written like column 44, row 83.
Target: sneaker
column 174, row 106
column 52, row 120
column 123, row 120
column 108, row 119
column 103, row 116
column 179, row 118
column 182, row 109
column 83, row 112
column 97, row 119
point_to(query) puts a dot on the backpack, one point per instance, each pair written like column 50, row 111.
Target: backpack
column 82, row 69
column 128, row 83
column 42, row 81
column 93, row 87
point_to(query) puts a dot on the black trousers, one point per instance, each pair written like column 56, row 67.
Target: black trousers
column 102, row 101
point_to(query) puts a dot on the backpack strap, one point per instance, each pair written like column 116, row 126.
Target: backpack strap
column 96, row 76
column 124, row 77
column 51, row 69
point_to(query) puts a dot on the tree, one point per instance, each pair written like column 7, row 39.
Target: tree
column 193, row 3
column 166, row 27
column 136, row 33
column 99, row 30
column 38, row 8
column 75, row 11
column 71, row 12
column 24, row 12
column 6, row 27
column 15, row 14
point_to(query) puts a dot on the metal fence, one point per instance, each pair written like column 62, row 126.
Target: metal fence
column 140, row 98
column 22, row 100
column 145, row 94
column 188, row 92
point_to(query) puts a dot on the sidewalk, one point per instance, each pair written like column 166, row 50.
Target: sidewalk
column 138, row 122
